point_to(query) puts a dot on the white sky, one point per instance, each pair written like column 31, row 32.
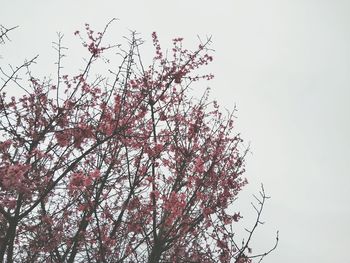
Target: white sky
column 284, row 63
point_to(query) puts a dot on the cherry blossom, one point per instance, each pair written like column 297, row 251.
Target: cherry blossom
column 126, row 167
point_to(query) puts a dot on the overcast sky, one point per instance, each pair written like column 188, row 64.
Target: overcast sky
column 284, row 63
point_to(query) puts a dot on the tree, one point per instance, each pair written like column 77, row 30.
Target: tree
column 127, row 168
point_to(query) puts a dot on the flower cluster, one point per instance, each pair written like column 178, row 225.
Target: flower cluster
column 124, row 167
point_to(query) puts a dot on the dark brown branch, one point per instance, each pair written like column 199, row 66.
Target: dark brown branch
column 4, row 33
